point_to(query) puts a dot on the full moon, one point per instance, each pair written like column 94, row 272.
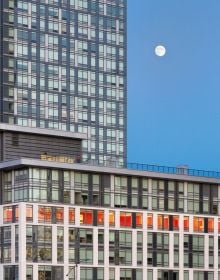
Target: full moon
column 160, row 50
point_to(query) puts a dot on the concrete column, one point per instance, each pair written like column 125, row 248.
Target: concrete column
column 171, row 250
column 95, row 246
column 150, row 194
column 181, row 247
column 215, row 248
column 22, row 241
column 134, row 248
column 185, row 197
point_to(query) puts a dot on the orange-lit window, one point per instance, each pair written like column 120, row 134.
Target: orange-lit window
column 150, row 220
column 111, row 218
column 218, row 225
column 139, row 220
column 175, row 222
column 16, row 213
column 71, row 215
column 86, row 217
column 125, row 219
column 210, row 225
column 45, row 214
column 59, row 215
column 29, row 213
column 198, row 224
column 160, row 221
column 166, row 222
column 8, row 214
column 100, row 217
column 163, row 222
column 186, row 223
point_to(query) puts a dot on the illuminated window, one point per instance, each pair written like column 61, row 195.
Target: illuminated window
column 59, row 215
column 44, row 214
column 150, row 220
column 198, row 224
column 71, row 215
column 160, row 221
column 218, row 225
column 111, row 218
column 8, row 214
column 186, row 223
column 86, row 217
column 125, row 219
column 163, row 222
column 16, row 213
column 175, row 222
column 100, row 217
column 29, row 213
column 210, row 225
column 139, row 220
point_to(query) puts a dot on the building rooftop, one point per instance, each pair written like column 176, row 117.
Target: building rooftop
column 132, row 169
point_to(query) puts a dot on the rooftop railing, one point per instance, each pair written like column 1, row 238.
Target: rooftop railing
column 179, row 170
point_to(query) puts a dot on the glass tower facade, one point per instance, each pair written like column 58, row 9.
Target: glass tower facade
column 63, row 67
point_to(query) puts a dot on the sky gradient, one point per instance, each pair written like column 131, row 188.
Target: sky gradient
column 174, row 101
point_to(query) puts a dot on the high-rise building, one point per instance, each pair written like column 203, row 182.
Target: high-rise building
column 63, row 67
column 68, row 207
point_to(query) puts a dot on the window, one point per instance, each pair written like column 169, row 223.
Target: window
column 186, row 223
column 163, row 222
column 210, row 225
column 125, row 219
column 86, row 248
column 59, row 215
column 198, row 224
column 111, row 218
column 8, row 214
column 29, row 213
column 149, row 220
column 139, row 220
column 175, row 222
column 86, row 217
column 100, row 217
column 44, row 214
column 71, row 215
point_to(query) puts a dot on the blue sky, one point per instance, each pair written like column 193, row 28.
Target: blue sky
column 174, row 101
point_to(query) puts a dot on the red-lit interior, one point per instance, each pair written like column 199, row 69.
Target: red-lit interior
column 100, row 217
column 125, row 219
column 86, row 217
column 210, row 225
column 175, row 222
column 186, row 223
